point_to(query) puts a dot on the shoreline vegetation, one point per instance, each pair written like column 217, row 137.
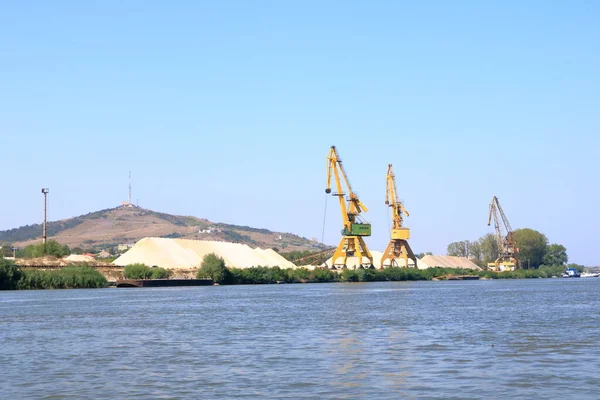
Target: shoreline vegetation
column 214, row 267
column 70, row 277
column 12, row 277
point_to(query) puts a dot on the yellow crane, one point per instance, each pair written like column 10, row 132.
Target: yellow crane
column 506, row 243
column 398, row 248
column 352, row 243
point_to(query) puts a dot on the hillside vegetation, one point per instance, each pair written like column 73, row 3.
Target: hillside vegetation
column 108, row 228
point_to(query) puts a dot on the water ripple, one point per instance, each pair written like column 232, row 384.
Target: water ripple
column 414, row 340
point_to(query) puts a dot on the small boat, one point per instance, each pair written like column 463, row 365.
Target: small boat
column 590, row 275
column 571, row 273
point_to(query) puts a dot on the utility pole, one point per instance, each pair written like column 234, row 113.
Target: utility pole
column 45, row 192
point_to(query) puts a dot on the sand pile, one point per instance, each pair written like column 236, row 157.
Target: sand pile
column 79, row 258
column 49, row 261
column 450, row 262
column 186, row 254
column 424, row 263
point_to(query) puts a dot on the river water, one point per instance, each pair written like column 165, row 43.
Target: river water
column 521, row 339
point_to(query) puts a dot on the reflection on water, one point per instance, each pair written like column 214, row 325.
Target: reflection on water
column 476, row 339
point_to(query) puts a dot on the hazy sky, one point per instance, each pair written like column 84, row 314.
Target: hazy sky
column 226, row 110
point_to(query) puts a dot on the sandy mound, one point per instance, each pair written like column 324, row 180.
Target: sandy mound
column 184, row 253
column 450, row 262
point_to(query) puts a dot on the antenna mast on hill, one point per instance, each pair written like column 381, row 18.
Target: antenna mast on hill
column 130, row 187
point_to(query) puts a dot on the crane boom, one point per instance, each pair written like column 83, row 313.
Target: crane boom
column 353, row 228
column 494, row 215
column 398, row 247
column 506, row 243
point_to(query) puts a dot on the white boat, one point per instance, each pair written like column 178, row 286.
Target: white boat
column 571, row 273
column 590, row 275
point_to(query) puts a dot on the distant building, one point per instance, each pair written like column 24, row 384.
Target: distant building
column 211, row 229
column 103, row 254
column 125, row 246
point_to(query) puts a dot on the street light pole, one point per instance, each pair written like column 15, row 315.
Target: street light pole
column 45, row 193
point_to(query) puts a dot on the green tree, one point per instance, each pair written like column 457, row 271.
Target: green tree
column 532, row 247
column 489, row 248
column 51, row 248
column 556, row 254
column 6, row 250
column 137, row 271
column 142, row 271
column 214, row 268
column 459, row 249
column 10, row 274
column 476, row 253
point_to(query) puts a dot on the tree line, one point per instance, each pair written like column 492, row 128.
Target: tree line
column 534, row 250
column 214, row 267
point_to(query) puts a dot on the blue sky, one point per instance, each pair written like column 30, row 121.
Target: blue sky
column 226, row 110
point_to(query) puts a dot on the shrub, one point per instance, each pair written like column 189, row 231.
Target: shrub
column 322, row 275
column 213, row 267
column 71, row 277
column 10, row 274
column 298, row 274
column 349, row 275
column 160, row 273
column 51, row 248
column 142, row 271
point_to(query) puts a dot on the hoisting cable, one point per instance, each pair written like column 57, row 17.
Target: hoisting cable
column 324, row 218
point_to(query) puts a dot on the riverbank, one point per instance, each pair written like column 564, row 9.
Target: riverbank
column 83, row 276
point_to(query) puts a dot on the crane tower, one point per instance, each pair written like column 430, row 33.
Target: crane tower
column 398, row 248
column 352, row 243
column 506, row 243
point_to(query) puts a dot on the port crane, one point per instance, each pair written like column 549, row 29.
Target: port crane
column 355, row 228
column 398, row 248
column 506, row 243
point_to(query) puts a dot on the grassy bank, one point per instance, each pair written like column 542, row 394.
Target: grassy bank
column 71, row 277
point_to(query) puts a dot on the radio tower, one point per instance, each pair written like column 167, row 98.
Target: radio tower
column 130, row 188
column 128, row 203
